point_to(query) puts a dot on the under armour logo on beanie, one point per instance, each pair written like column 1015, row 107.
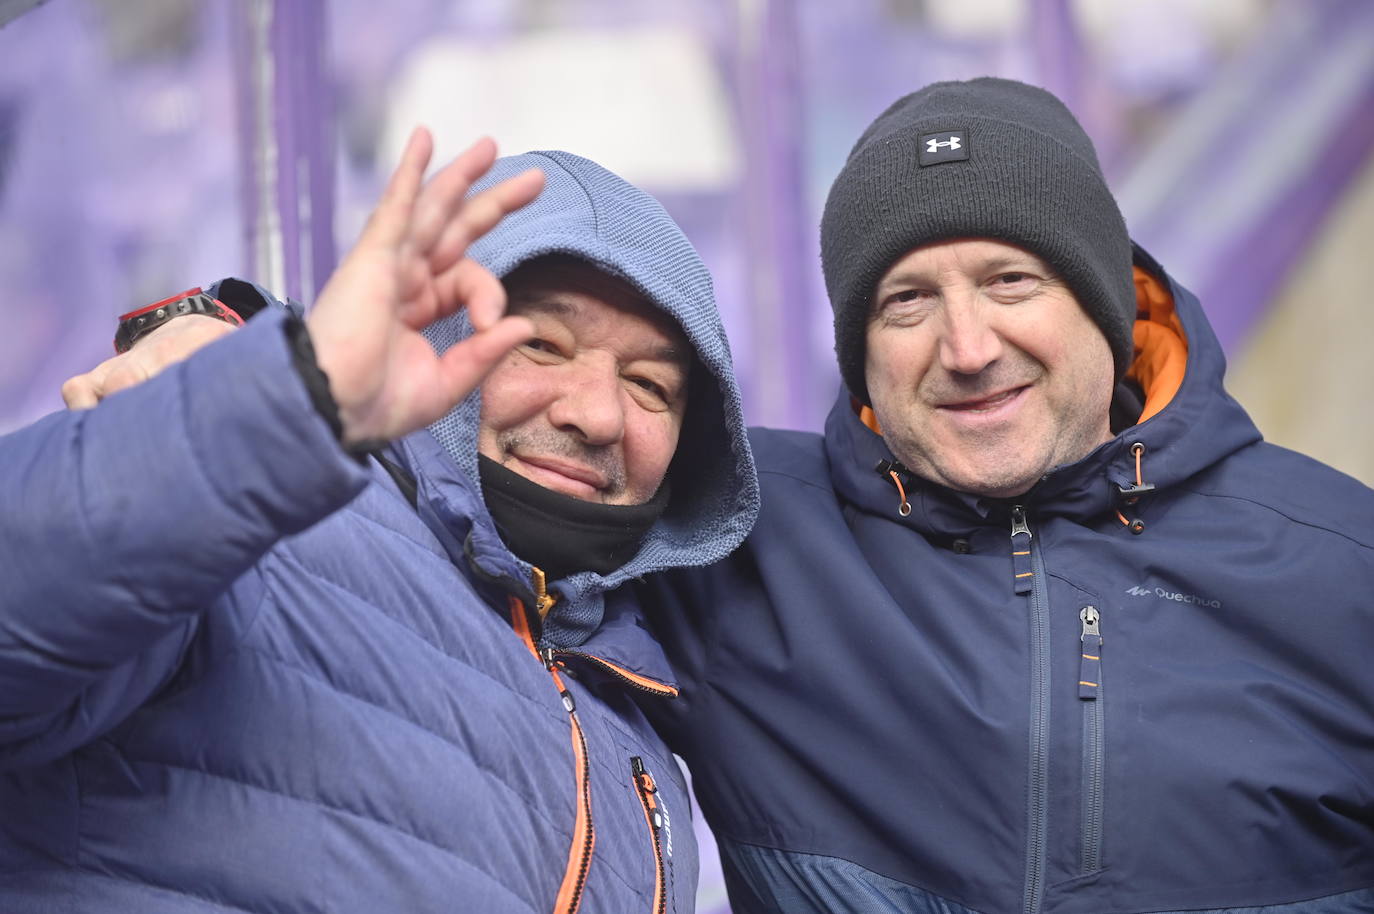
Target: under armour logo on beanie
column 946, row 146
column 988, row 158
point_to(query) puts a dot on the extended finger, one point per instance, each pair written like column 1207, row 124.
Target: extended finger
column 390, row 221
column 469, row 285
column 465, row 364
column 443, row 194
column 480, row 213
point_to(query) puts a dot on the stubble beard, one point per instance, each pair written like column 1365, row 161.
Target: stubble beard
column 553, row 443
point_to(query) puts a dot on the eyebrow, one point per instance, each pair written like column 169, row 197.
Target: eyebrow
column 551, row 303
column 891, row 283
column 673, row 354
column 545, row 304
column 915, row 277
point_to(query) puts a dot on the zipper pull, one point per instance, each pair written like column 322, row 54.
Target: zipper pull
column 1020, row 551
column 1018, row 522
column 647, row 788
column 546, row 654
column 543, row 600
column 1090, row 666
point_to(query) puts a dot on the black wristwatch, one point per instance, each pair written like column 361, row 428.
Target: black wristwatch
column 138, row 323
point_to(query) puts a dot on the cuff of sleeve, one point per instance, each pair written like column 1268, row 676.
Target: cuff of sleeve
column 247, row 406
column 317, row 388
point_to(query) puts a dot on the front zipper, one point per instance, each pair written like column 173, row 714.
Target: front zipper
column 648, row 791
column 1090, row 692
column 1028, row 576
column 584, row 830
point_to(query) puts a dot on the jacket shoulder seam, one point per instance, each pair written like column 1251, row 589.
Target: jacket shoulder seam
column 1281, row 513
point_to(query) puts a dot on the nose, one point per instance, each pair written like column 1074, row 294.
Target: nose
column 968, row 341
column 589, row 403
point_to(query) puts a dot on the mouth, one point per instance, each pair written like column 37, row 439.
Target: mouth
column 986, row 405
column 560, row 475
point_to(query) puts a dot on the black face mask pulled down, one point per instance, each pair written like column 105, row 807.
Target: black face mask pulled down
column 560, row 534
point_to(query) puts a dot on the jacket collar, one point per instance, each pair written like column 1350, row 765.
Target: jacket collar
column 449, row 502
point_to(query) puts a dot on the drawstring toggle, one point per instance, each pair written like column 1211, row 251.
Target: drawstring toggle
column 895, row 471
column 1130, row 494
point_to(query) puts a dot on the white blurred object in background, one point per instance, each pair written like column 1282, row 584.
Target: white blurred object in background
column 671, row 128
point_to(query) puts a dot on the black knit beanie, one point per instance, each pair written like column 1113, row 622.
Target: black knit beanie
column 987, row 158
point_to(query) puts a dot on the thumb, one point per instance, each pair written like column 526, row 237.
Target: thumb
column 78, row 392
column 466, row 363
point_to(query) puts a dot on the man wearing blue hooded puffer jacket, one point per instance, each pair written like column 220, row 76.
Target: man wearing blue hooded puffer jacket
column 1040, row 623
column 243, row 668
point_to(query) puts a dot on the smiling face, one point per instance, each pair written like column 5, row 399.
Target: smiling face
column 592, row 405
column 983, row 370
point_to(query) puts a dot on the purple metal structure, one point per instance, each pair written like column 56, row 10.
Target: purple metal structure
column 779, row 235
column 13, row 9
column 1058, row 52
column 286, row 142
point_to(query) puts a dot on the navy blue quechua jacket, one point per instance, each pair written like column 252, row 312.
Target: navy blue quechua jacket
column 1024, row 706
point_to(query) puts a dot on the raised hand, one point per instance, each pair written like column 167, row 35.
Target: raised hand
column 408, row 270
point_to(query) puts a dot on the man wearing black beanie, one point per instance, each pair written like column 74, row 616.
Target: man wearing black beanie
column 1040, row 623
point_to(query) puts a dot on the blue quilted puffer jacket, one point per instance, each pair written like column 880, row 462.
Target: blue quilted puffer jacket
column 241, row 672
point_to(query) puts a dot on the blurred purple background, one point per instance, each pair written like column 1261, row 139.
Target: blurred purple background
column 151, row 145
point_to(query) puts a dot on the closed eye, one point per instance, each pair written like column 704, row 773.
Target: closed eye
column 544, row 348
column 650, row 387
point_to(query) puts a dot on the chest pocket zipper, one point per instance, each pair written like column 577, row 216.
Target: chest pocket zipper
column 1094, row 748
column 655, row 818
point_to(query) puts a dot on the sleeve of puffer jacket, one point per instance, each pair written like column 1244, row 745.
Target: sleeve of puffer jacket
column 120, row 524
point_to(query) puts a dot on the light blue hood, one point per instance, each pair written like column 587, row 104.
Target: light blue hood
column 588, row 212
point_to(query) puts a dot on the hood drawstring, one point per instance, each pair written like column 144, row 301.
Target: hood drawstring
column 894, row 471
column 1131, row 494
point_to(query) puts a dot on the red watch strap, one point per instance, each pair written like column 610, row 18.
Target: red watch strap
column 143, row 320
